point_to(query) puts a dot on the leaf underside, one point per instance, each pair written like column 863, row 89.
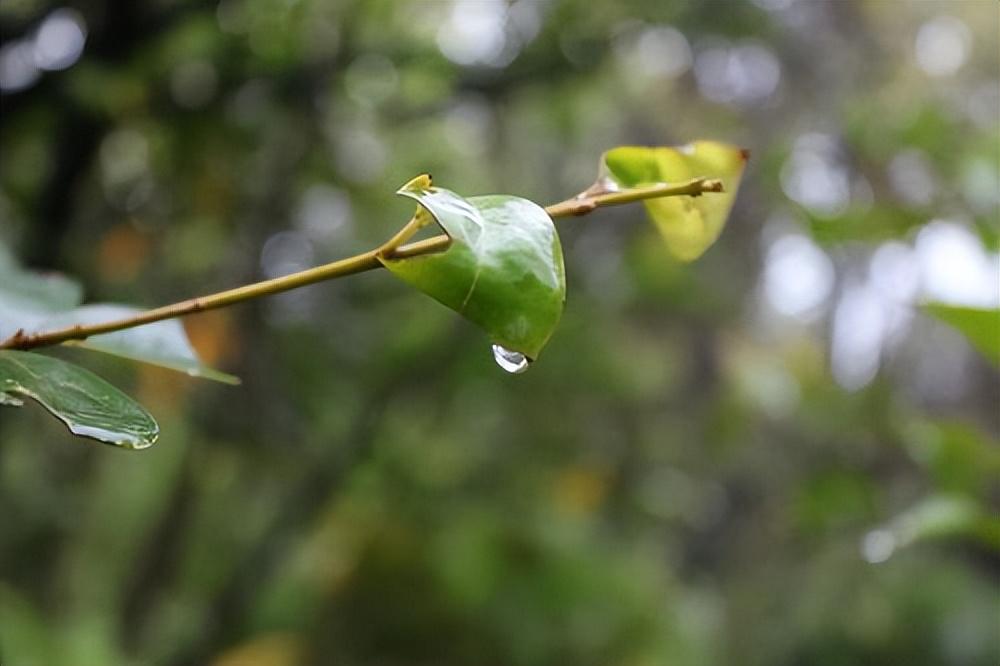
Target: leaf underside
column 689, row 225
column 38, row 303
column 163, row 343
column 88, row 405
column 503, row 270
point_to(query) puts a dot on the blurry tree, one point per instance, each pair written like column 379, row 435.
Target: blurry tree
column 777, row 455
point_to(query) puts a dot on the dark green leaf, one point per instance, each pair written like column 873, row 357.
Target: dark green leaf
column 88, row 405
column 503, row 270
column 980, row 325
column 689, row 225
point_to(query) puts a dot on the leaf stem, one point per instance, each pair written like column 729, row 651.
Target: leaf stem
column 598, row 196
column 582, row 204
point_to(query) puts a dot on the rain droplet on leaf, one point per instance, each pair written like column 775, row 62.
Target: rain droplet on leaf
column 513, row 362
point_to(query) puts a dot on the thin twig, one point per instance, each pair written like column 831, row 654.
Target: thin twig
column 366, row 261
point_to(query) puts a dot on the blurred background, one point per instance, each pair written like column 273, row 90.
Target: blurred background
column 771, row 456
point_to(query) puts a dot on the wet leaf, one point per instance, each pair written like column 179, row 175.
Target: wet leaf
column 27, row 296
column 980, row 325
column 502, row 271
column 36, row 303
column 689, row 225
column 162, row 343
column 88, row 405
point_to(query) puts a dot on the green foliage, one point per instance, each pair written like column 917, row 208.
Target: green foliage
column 503, row 270
column 34, row 303
column 943, row 517
column 88, row 405
column 683, row 478
column 980, row 325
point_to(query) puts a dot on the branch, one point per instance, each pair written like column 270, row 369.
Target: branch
column 584, row 203
column 598, row 195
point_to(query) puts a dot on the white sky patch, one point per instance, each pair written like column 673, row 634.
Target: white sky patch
column 893, row 271
column 893, row 275
column 60, row 39
column 475, row 33
column 658, row 51
column 815, row 177
column 798, row 277
column 56, row 44
column 942, row 46
column 17, row 66
column 954, row 267
column 742, row 75
column 859, row 330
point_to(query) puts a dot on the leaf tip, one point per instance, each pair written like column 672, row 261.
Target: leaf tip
column 713, row 185
column 421, row 182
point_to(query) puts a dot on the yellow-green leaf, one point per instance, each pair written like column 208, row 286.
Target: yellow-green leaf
column 689, row 225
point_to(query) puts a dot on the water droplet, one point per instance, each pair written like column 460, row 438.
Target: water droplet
column 513, row 362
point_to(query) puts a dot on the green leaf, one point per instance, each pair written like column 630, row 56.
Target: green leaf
column 37, row 303
column 957, row 455
column 26, row 296
column 689, row 225
column 503, row 270
column 162, row 343
column 946, row 516
column 88, row 405
column 980, row 325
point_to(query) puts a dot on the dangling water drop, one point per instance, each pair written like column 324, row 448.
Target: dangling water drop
column 512, row 361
